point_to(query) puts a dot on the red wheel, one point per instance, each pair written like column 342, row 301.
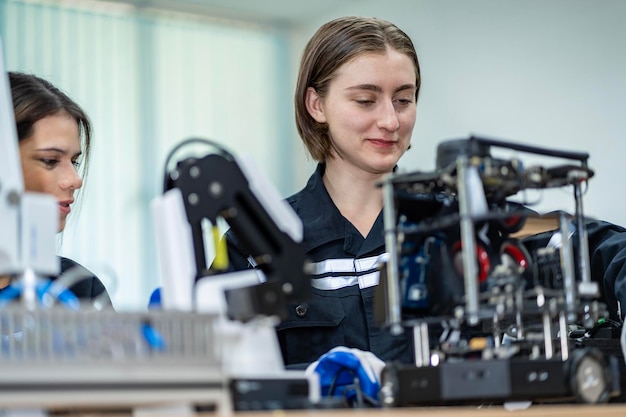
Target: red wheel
column 482, row 256
column 513, row 253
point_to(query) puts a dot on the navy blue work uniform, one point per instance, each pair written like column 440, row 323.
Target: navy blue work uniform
column 340, row 312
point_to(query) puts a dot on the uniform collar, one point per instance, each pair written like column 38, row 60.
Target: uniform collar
column 324, row 223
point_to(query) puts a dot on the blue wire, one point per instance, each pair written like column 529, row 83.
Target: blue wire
column 65, row 297
column 152, row 336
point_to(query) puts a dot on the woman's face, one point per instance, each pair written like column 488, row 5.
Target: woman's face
column 370, row 110
column 50, row 158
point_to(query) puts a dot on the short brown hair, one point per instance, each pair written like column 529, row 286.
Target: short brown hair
column 334, row 44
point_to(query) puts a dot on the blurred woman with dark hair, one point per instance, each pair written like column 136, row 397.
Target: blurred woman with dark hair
column 54, row 136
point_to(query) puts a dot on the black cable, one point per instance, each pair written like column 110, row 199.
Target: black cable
column 186, row 142
column 361, row 397
column 332, row 386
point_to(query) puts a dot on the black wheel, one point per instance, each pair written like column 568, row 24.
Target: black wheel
column 513, row 223
column 589, row 376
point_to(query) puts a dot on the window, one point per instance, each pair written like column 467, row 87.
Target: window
column 148, row 80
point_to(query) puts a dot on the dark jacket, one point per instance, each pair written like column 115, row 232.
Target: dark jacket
column 88, row 288
column 340, row 312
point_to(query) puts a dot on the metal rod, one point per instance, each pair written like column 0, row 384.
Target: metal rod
column 425, row 344
column 394, row 309
column 470, row 268
column 547, row 335
column 497, row 334
column 563, row 336
column 587, row 289
column 583, row 245
column 422, row 344
column 567, row 268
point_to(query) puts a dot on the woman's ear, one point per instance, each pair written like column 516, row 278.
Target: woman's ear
column 314, row 105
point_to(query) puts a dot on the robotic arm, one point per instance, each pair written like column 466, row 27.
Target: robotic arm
column 220, row 186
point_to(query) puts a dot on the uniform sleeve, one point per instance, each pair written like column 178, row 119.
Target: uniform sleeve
column 607, row 260
column 607, row 253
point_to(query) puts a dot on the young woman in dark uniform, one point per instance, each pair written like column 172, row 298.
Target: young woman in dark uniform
column 355, row 105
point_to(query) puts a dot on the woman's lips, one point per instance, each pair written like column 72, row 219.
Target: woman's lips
column 64, row 207
column 383, row 143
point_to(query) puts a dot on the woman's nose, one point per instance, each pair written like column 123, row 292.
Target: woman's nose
column 71, row 179
column 388, row 118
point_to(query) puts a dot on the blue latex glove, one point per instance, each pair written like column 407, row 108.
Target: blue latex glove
column 350, row 373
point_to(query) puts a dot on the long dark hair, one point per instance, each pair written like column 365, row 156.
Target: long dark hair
column 35, row 98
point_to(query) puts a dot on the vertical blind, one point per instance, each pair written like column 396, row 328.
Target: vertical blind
column 148, row 80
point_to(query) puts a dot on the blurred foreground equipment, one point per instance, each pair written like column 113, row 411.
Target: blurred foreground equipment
column 66, row 359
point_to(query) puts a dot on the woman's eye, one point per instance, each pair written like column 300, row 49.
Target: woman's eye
column 404, row 101
column 50, row 163
column 365, row 102
column 76, row 164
